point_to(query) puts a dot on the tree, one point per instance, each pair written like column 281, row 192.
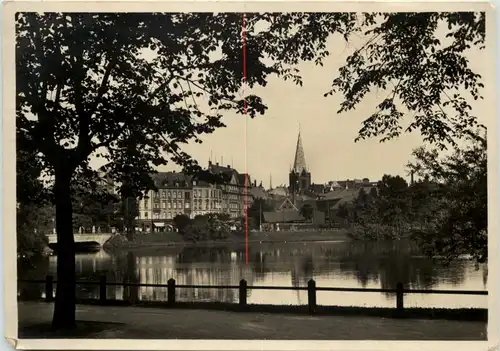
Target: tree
column 458, row 200
column 93, row 206
column 34, row 213
column 256, row 210
column 422, row 72
column 181, row 222
column 33, row 223
column 307, row 211
column 343, row 211
column 129, row 211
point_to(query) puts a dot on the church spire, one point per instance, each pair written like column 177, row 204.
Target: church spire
column 299, row 162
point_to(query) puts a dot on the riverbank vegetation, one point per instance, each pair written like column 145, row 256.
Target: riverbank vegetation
column 172, row 238
column 445, row 211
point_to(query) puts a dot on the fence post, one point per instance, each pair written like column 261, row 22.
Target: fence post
column 171, row 291
column 49, row 288
column 311, row 296
column 399, row 297
column 243, row 293
column 102, row 289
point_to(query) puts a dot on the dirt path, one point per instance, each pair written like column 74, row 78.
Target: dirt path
column 154, row 323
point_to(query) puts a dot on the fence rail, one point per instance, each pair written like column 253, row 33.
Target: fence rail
column 243, row 289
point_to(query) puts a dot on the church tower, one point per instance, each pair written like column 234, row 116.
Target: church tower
column 300, row 177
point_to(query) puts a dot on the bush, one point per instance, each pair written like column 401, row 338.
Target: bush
column 207, row 227
column 182, row 222
column 115, row 242
column 375, row 231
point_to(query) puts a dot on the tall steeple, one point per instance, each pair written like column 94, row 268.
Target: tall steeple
column 299, row 162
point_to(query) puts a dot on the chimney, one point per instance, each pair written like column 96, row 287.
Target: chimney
column 228, row 166
column 217, row 164
column 209, row 163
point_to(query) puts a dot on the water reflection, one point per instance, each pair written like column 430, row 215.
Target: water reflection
column 349, row 264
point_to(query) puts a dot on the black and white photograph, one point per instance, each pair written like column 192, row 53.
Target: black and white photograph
column 260, row 172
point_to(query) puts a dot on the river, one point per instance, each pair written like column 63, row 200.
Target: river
column 340, row 264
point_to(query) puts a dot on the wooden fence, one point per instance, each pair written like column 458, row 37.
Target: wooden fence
column 243, row 288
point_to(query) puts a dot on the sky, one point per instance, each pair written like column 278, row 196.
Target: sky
column 265, row 146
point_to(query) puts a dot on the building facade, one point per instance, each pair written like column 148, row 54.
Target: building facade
column 235, row 189
column 207, row 198
column 179, row 194
column 174, row 197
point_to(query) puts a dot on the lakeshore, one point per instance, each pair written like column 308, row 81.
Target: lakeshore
column 175, row 239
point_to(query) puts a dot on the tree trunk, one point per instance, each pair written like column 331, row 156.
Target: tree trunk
column 64, row 310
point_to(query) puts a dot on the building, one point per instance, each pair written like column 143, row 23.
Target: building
column 180, row 194
column 299, row 176
column 207, row 198
column 174, row 197
column 235, row 189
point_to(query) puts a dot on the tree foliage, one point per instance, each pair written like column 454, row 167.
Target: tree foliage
column 421, row 60
column 458, row 224
column 212, row 226
column 307, row 211
column 380, row 214
column 445, row 210
column 34, row 213
column 181, row 222
column 256, row 210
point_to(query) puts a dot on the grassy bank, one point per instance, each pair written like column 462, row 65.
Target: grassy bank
column 176, row 239
column 463, row 314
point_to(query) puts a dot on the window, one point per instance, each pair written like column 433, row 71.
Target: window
column 179, row 204
column 145, row 215
column 146, row 204
column 186, row 205
column 156, row 206
column 206, row 193
column 164, row 204
column 169, row 194
column 163, row 194
column 206, row 204
column 175, row 195
column 169, row 215
column 175, row 204
column 156, row 216
column 179, row 194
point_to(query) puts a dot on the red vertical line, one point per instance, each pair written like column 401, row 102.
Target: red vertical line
column 246, row 121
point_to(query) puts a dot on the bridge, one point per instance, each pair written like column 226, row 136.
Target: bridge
column 82, row 238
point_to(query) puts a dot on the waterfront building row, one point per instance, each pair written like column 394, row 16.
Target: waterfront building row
column 180, row 194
